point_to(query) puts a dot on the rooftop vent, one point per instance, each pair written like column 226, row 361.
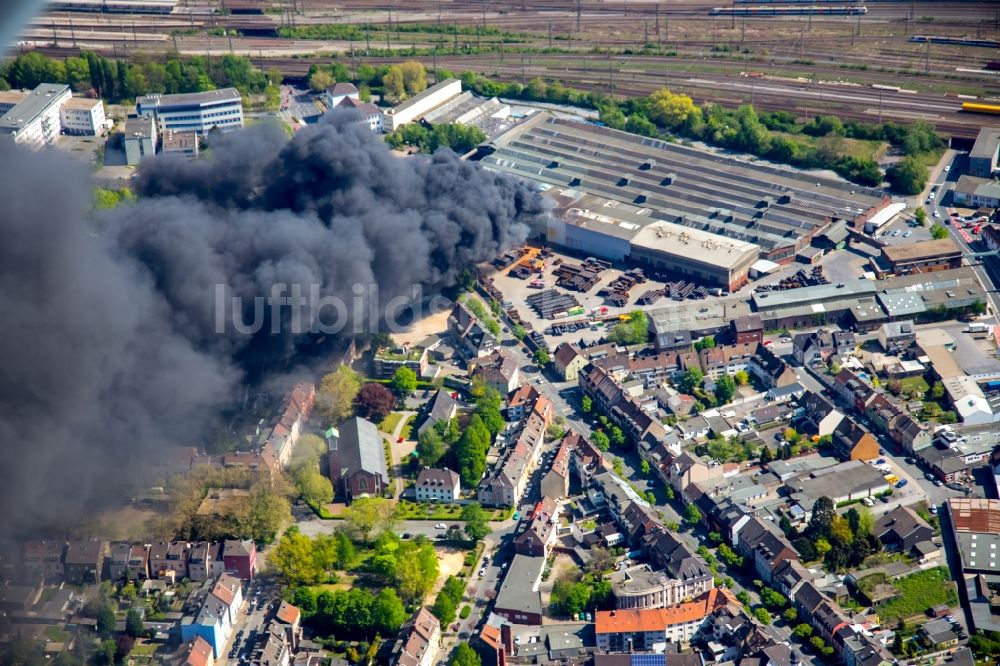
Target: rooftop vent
column 623, row 182
column 574, row 182
column 647, row 165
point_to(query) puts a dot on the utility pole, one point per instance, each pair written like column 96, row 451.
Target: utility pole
column 135, row 37
column 174, row 35
column 880, row 107
column 55, row 35
column 802, row 39
column 578, row 11
column 72, row 32
column 927, row 56
column 859, row 25
column 734, row 15
column 230, row 35
column 550, row 34
column 656, row 10
column 645, row 32
column 611, row 76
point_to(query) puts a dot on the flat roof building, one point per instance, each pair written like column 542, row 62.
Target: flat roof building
column 34, row 120
column 922, row 256
column 977, row 192
column 180, row 143
column 976, row 524
column 140, row 139
column 780, row 210
column 197, row 112
column 983, row 156
column 83, row 116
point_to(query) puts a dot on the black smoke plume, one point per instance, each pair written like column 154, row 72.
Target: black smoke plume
column 111, row 347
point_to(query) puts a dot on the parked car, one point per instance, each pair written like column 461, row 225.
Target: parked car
column 440, row 526
column 901, row 483
column 938, row 482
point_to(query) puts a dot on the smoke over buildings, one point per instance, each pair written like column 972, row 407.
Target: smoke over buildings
column 112, row 344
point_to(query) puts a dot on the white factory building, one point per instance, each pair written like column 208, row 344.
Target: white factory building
column 418, row 105
column 194, row 112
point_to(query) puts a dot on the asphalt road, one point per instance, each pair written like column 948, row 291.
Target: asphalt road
column 250, row 621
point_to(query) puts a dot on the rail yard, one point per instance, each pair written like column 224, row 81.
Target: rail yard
column 879, row 60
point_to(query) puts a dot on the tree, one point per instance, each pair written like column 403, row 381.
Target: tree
column 690, row 380
column 822, row 517
column 369, row 515
column 725, row 387
column 762, row 615
column 431, row 447
column 616, row 436
column 519, row 332
column 471, row 451
column 541, row 357
column 414, row 77
column 465, row 656
column 601, row 560
column 644, row 467
column 393, row 86
column 707, row 342
column 293, row 561
column 586, row 404
column 133, row 624
column 802, row 631
column 669, row 109
column 374, row 402
column 633, row 331
column 476, row 527
column 105, row 620
column 691, row 514
column 908, row 176
column 444, row 609
column 773, row 598
column 790, row 615
column 822, row 546
column 921, row 216
column 388, row 613
column 404, row 381
column 742, row 378
column 938, row 232
column 337, row 391
column 267, row 511
column 321, row 80
column 315, row 488
column 345, row 552
column 600, row 440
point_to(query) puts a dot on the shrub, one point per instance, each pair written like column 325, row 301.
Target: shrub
column 465, row 612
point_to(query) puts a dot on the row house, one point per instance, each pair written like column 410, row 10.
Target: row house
column 585, row 461
column 688, row 469
column 852, row 442
column 280, row 639
column 505, row 484
column 217, row 615
column 118, row 557
column 643, row 587
column 205, row 561
column 568, row 361
column 44, row 559
column 295, row 411
column 497, row 370
column 726, row 359
column 84, row 562
column 537, row 538
column 765, row 549
column 852, row 391
column 770, row 370
column 555, row 483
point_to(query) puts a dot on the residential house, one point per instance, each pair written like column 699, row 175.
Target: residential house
column 747, row 329
column 289, row 619
column 504, row 485
column 537, row 538
column 771, row 370
column 44, row 559
column 201, row 564
column 356, row 459
column 437, row 485
column 555, row 483
column 471, row 339
column 118, row 560
column 820, row 413
column 138, row 562
column 853, row 391
column 852, row 442
column 295, row 411
column 520, row 401
column 390, row 359
column 198, row 652
column 217, row 615
column 442, row 407
column 901, row 529
column 689, row 468
column 897, row 336
column 340, row 91
column 910, row 433
column 497, row 370
column 568, row 361
column 419, row 640
column 654, row 629
column 758, row 541
column 726, row 359
column 240, row 558
column 789, row 575
column 689, row 571
column 819, row 346
column 371, row 116
column 518, row 600
column 938, row 634
column 84, row 562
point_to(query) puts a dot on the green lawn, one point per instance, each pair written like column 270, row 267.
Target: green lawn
column 918, row 592
column 390, row 422
column 434, row 511
column 408, row 426
column 911, row 384
column 143, row 650
column 56, row 634
column 844, row 146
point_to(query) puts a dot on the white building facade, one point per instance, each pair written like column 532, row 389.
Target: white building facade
column 194, row 112
column 83, row 116
column 415, row 107
column 34, row 121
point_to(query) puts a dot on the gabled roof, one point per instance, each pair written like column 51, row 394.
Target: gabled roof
column 199, row 653
column 565, row 353
column 437, row 478
column 442, row 406
column 287, row 613
column 360, row 447
column 901, row 522
column 342, row 88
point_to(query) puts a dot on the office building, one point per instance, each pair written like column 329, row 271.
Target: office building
column 34, row 121
column 83, row 116
column 198, row 112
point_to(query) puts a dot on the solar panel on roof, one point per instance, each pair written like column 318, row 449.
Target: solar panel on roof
column 648, row 660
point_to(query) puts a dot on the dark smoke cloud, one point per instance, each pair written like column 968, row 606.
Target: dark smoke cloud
column 110, row 349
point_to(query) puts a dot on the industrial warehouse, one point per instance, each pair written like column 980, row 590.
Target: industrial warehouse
column 696, row 213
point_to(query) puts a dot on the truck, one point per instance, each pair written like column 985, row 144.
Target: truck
column 536, row 284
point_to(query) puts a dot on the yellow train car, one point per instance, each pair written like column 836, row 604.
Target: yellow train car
column 975, row 107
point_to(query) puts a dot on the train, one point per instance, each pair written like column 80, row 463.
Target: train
column 957, row 41
column 789, row 11
column 977, row 107
column 795, row 2
column 113, row 6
